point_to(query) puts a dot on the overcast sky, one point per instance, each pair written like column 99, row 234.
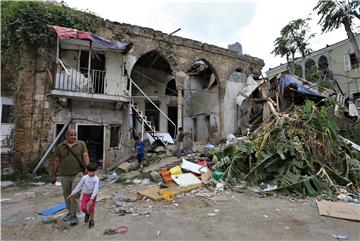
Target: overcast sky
column 254, row 24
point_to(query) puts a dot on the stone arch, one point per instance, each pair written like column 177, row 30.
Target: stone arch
column 167, row 55
column 151, row 73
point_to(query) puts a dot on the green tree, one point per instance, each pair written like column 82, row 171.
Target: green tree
column 294, row 38
column 335, row 13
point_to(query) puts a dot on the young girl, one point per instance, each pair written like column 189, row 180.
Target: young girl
column 89, row 185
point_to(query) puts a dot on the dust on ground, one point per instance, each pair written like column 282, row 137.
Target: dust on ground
column 234, row 216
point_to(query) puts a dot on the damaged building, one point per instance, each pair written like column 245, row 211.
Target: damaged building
column 337, row 64
column 126, row 77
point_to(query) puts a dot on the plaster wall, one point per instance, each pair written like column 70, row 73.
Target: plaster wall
column 115, row 81
column 234, row 85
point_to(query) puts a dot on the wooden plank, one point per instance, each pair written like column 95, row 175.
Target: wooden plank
column 342, row 210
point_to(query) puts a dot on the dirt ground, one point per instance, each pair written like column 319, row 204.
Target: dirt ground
column 237, row 216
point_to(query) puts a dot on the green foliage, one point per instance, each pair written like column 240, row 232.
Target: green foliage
column 25, row 23
column 24, row 26
column 316, row 76
column 302, row 154
column 293, row 38
column 335, row 13
column 353, row 133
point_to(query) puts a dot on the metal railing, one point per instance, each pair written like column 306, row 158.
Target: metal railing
column 70, row 79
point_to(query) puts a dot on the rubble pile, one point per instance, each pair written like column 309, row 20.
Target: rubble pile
column 301, row 152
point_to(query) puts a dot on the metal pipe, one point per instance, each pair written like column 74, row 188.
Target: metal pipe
column 50, row 148
column 62, row 64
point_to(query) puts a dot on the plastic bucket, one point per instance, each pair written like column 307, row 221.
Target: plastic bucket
column 175, row 170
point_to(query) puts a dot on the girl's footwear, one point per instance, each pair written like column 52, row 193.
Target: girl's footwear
column 87, row 215
column 91, row 223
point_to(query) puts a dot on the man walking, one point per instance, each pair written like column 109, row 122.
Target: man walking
column 71, row 156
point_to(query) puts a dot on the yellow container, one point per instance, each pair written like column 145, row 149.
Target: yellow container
column 175, row 170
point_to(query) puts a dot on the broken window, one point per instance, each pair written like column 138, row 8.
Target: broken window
column 354, row 62
column 350, row 62
column 114, row 135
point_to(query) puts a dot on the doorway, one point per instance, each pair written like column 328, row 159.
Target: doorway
column 93, row 136
column 172, row 114
column 97, row 70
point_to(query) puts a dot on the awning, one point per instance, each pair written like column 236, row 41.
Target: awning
column 63, row 33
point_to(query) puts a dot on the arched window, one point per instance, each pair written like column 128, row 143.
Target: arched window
column 323, row 64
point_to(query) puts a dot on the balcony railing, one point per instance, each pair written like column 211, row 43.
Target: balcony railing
column 70, row 79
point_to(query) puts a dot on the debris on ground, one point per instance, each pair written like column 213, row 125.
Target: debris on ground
column 111, row 231
column 5, row 184
column 341, row 210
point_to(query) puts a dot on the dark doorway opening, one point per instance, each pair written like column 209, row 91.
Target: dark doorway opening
column 94, row 139
column 58, row 129
column 172, row 114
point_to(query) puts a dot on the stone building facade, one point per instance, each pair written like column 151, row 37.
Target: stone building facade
column 194, row 85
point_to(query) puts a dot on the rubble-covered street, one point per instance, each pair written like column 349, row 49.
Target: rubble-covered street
column 232, row 215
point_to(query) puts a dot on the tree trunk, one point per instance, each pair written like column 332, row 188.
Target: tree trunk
column 352, row 39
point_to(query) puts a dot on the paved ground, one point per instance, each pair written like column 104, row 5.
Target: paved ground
column 238, row 216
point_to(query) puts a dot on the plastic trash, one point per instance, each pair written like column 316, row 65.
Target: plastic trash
column 175, row 170
column 217, row 175
column 339, row 237
column 209, row 145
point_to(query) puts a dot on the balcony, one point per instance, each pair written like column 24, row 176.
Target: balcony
column 87, row 84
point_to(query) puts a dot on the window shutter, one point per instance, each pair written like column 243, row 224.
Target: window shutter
column 347, row 63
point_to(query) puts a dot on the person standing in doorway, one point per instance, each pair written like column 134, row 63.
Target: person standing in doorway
column 71, row 158
column 179, row 142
